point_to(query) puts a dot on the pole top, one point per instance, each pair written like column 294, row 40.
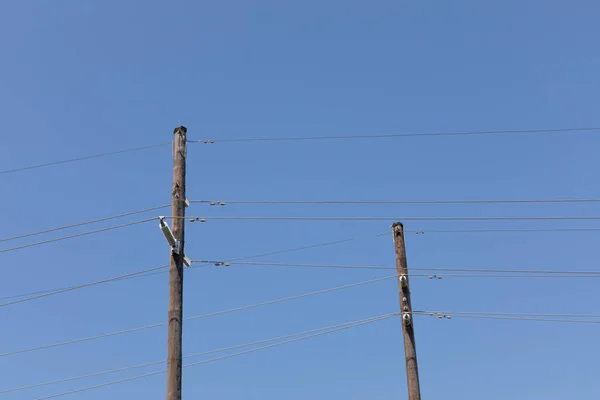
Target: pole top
column 180, row 128
column 397, row 225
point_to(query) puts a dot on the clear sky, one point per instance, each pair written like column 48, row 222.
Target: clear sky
column 83, row 77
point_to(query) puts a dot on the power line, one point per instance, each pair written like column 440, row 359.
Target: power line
column 358, row 323
column 312, row 246
column 346, row 324
column 487, row 230
column 506, row 276
column 86, row 339
column 509, row 230
column 323, row 244
column 569, row 321
column 504, row 314
column 468, row 270
column 71, row 160
column 77, row 235
column 262, row 218
column 494, row 230
column 484, row 201
column 397, row 135
column 83, row 223
column 69, row 289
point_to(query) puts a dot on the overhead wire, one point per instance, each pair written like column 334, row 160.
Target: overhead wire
column 472, row 133
column 67, row 288
column 317, row 245
column 77, row 235
column 299, row 339
column 435, row 269
column 220, row 350
column 498, row 230
column 396, row 135
column 71, row 160
column 505, row 314
column 519, row 276
column 311, row 246
column 77, row 287
column 212, row 314
column 265, row 218
column 568, row 321
column 369, row 202
column 508, row 230
column 358, row 323
column 84, row 223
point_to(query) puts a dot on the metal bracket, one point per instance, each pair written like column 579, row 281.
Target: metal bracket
column 176, row 249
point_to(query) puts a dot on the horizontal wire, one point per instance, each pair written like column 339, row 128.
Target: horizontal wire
column 358, row 323
column 485, row 201
column 397, row 135
column 220, row 350
column 296, row 297
column 311, row 246
column 69, row 289
column 481, row 270
column 559, row 275
column 84, row 223
column 572, row 321
column 235, row 259
column 509, row 276
column 71, row 160
column 504, row 314
column 509, row 230
column 281, row 300
column 259, row 218
column 77, row 235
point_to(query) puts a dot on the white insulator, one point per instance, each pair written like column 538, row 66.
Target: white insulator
column 403, row 281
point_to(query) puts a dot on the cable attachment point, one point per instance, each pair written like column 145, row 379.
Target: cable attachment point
column 221, row 264
column 403, row 281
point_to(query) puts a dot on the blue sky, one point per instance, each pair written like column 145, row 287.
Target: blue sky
column 83, row 77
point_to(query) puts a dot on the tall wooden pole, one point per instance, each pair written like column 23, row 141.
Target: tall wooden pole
column 174, row 352
column 408, row 328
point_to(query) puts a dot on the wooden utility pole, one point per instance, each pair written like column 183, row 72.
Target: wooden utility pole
column 174, row 351
column 408, row 328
